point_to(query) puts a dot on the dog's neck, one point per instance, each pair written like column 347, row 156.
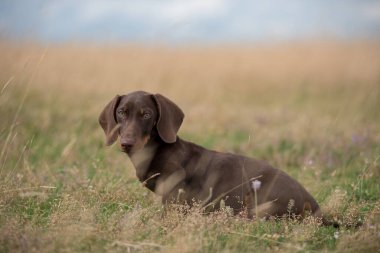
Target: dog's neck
column 154, row 169
column 142, row 159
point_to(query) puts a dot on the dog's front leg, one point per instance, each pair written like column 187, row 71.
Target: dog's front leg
column 171, row 186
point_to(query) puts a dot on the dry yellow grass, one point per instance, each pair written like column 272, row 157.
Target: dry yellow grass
column 173, row 70
column 206, row 81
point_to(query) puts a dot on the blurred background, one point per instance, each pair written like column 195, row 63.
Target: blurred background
column 272, row 61
column 201, row 53
column 178, row 22
column 251, row 56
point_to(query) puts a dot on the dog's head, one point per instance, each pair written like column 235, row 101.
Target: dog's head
column 136, row 116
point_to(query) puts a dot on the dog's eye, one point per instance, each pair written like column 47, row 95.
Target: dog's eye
column 121, row 113
column 147, row 115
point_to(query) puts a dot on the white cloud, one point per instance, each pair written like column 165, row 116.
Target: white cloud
column 178, row 10
column 371, row 11
column 192, row 19
column 167, row 10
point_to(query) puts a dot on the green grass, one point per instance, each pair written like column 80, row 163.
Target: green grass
column 62, row 190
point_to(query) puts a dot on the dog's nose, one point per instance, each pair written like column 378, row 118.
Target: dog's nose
column 127, row 144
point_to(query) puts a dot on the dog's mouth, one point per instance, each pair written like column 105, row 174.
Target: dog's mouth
column 131, row 149
column 127, row 149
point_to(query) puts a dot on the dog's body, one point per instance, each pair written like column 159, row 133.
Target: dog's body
column 181, row 171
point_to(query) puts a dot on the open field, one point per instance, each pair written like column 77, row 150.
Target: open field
column 311, row 109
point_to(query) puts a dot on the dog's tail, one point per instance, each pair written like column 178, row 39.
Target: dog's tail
column 330, row 223
column 312, row 206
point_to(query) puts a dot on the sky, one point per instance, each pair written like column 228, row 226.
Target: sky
column 184, row 21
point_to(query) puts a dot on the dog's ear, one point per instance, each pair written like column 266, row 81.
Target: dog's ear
column 170, row 118
column 108, row 122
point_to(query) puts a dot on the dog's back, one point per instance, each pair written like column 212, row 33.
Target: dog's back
column 147, row 127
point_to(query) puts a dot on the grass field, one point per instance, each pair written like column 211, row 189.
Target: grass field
column 311, row 109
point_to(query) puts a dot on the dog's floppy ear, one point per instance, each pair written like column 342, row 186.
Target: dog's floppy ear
column 170, row 118
column 108, row 121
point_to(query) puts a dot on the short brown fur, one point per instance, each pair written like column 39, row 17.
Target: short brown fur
column 181, row 171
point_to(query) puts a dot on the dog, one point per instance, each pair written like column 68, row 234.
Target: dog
column 183, row 172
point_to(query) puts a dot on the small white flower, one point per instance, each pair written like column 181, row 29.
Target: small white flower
column 256, row 184
column 336, row 235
